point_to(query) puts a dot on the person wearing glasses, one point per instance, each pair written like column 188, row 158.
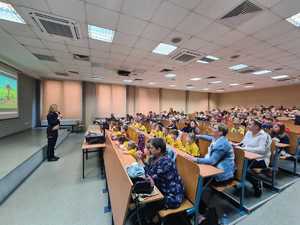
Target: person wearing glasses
column 220, row 154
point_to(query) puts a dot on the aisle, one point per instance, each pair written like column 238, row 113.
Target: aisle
column 55, row 194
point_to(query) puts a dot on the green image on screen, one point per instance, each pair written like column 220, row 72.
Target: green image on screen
column 8, row 93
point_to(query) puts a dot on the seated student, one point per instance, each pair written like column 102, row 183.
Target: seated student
column 279, row 135
column 220, row 153
column 237, row 127
column 186, row 128
column 190, row 146
column 173, row 125
column 130, row 148
column 175, row 141
column 158, row 133
column 116, row 132
column 163, row 173
column 258, row 141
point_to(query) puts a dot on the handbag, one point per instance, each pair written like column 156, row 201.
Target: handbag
column 142, row 185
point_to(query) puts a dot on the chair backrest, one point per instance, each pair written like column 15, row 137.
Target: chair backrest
column 235, row 137
column 294, row 142
column 239, row 163
column 203, row 146
column 132, row 134
column 189, row 173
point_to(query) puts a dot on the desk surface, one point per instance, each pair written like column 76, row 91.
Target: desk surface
column 252, row 156
column 90, row 146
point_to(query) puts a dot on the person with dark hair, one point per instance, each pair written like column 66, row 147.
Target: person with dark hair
column 220, row 153
column 258, row 141
column 278, row 133
column 162, row 171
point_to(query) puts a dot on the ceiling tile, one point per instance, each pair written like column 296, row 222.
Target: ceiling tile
column 101, row 17
column 146, row 44
column 193, row 24
column 188, row 4
column 142, row 9
column 99, row 45
column 108, row 4
column 125, row 39
column 130, row 25
column 169, row 15
column 30, row 42
column 213, row 31
column 286, row 8
column 72, row 9
column 155, row 32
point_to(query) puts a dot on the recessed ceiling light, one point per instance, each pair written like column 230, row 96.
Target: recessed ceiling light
column 172, row 85
column 205, row 89
column 295, row 20
column 261, row 72
column 238, row 67
column 101, row 34
column 280, row 77
column 214, row 58
column 170, row 75
column 216, row 82
column 249, row 86
column 7, row 12
column 196, row 78
column 220, row 90
column 164, row 49
column 128, row 81
column 234, row 84
column 201, row 61
column 151, row 83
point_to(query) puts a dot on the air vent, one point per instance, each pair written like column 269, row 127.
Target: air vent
column 241, row 14
column 286, row 79
column 244, row 8
column 249, row 83
column 278, row 69
column 138, row 79
column 81, row 57
column 54, row 25
column 45, row 57
column 166, row 70
column 211, row 77
column 247, row 70
column 123, row 73
column 235, row 56
column 73, row 72
column 61, row 74
column 186, row 56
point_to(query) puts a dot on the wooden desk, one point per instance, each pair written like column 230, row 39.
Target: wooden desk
column 89, row 148
column 118, row 182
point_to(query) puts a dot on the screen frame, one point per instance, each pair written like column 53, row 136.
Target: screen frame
column 17, row 115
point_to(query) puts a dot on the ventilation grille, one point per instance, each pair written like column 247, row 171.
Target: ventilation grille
column 244, row 8
column 284, row 79
column 186, row 56
column 241, row 14
column 211, row 77
column 81, row 57
column 138, row 79
column 61, row 74
column 166, row 70
column 247, row 70
column 73, row 72
column 45, row 57
column 54, row 25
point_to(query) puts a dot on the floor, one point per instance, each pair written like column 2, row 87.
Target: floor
column 56, row 195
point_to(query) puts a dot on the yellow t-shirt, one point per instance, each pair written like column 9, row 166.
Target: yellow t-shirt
column 178, row 145
column 159, row 134
column 132, row 152
column 169, row 140
column 142, row 128
column 240, row 130
column 117, row 133
column 192, row 149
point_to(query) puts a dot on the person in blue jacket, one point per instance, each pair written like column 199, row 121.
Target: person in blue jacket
column 220, row 153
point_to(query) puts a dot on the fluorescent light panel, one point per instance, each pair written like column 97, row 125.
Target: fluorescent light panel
column 170, row 75
column 249, row 86
column 152, row 83
column 128, row 81
column 214, row 58
column 101, row 34
column 164, row 49
column 238, row 67
column 201, row 61
column 172, row 85
column 295, row 20
column 280, row 77
column 261, row 72
column 215, row 82
column 234, row 84
column 196, row 78
column 7, row 12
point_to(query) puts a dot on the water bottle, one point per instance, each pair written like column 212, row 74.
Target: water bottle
column 224, row 220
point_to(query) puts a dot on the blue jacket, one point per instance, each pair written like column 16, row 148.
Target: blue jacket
column 220, row 154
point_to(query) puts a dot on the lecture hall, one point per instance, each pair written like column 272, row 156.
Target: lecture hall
column 149, row 112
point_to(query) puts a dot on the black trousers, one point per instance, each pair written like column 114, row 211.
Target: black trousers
column 255, row 164
column 51, row 146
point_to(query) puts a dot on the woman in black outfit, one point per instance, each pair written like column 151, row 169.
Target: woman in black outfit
column 53, row 119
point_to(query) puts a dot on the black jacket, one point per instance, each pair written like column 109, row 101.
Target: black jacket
column 53, row 120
